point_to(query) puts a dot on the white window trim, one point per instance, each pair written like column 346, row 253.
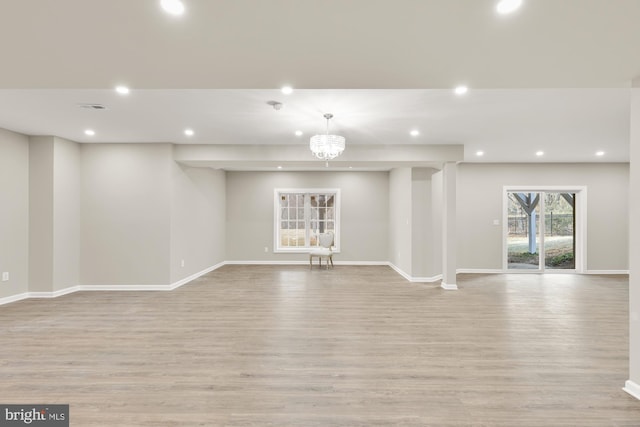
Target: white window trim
column 276, row 219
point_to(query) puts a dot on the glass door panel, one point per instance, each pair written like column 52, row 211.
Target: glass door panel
column 559, row 236
column 523, row 236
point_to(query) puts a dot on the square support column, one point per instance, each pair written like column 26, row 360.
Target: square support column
column 632, row 386
column 449, row 227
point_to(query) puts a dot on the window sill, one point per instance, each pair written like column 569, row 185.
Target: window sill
column 299, row 251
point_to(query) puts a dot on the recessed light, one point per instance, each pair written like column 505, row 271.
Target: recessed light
column 504, row 7
column 298, row 133
column 89, row 132
column 599, row 153
column 414, row 132
column 539, row 153
column 174, row 7
column 350, row 167
column 122, row 90
column 479, row 153
column 279, row 167
column 188, row 132
column 461, row 90
column 287, row 90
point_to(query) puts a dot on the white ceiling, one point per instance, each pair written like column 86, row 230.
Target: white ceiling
column 554, row 76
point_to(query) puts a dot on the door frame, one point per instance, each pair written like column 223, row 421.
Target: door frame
column 580, row 232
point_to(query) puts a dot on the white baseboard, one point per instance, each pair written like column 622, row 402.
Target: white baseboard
column 186, row 280
column 303, row 262
column 431, row 279
column 449, row 287
column 54, row 294
column 266, row 262
column 412, row 278
column 632, row 388
column 361, row 262
column 605, row 272
column 169, row 287
column 73, row 289
column 479, row 271
column 400, row 271
column 124, row 288
column 14, row 298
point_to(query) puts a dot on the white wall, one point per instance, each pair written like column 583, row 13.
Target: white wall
column 400, row 253
column 14, row 212
column 364, row 213
column 198, row 220
column 40, row 214
column 426, row 233
column 437, row 200
column 479, row 198
column 66, row 214
column 125, row 214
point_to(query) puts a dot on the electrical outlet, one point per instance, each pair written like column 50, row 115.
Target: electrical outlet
column 266, row 248
column 182, row 263
column 5, row 276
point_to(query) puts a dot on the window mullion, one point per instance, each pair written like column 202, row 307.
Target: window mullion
column 307, row 220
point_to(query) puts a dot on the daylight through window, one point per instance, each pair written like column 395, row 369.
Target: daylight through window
column 302, row 215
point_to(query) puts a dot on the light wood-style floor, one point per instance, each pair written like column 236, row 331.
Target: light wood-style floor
column 352, row 346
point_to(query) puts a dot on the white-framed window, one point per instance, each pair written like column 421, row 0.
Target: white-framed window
column 303, row 214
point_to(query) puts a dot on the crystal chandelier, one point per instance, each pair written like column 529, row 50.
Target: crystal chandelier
column 327, row 147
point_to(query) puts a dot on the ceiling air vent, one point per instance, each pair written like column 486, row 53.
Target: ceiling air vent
column 93, row 106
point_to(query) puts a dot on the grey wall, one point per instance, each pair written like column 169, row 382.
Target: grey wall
column 54, row 216
column 426, row 235
column 364, row 213
column 125, row 214
column 14, row 212
column 437, row 201
column 480, row 199
column 66, row 214
column 415, row 221
column 399, row 253
column 198, row 220
column 41, row 214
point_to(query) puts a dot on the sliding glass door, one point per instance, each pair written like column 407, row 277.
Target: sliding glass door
column 541, row 230
column 560, row 231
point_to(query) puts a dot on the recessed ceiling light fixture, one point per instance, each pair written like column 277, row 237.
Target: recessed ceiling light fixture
column 414, row 132
column 279, row 167
column 287, row 90
column 539, row 153
column 89, row 132
column 122, row 90
column 505, row 7
column 599, row 153
column 461, row 90
column 298, row 133
column 480, row 153
column 189, row 132
column 174, row 7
